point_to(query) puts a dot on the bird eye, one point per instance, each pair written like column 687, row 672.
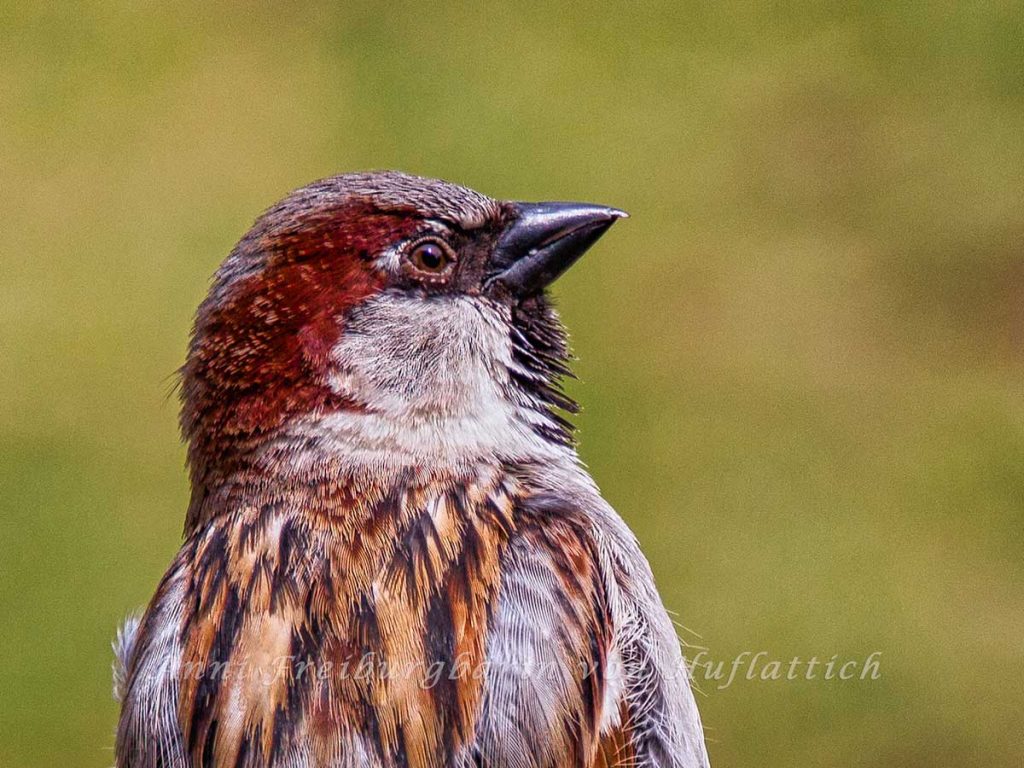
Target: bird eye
column 431, row 258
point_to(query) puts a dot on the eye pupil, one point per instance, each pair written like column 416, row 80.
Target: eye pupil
column 430, row 257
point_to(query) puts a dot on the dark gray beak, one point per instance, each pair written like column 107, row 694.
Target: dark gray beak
column 545, row 240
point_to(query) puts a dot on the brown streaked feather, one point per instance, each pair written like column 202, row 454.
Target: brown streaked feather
column 615, row 749
column 547, row 647
column 277, row 592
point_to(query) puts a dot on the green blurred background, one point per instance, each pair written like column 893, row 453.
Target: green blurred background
column 801, row 360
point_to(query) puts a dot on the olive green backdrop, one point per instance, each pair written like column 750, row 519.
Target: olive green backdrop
column 801, row 359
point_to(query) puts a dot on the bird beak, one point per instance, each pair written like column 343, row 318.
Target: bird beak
column 544, row 240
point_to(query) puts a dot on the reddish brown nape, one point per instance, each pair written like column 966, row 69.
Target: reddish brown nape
column 261, row 351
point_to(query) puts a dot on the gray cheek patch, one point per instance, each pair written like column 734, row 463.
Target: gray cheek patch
column 433, row 379
column 442, row 355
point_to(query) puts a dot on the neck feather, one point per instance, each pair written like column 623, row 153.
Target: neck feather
column 410, row 386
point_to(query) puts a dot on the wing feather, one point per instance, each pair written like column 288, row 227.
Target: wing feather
column 578, row 596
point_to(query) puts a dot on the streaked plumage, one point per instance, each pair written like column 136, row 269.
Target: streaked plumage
column 393, row 556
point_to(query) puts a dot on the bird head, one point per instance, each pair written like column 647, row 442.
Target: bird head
column 383, row 319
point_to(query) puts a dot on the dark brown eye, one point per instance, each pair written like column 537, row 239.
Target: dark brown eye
column 431, row 258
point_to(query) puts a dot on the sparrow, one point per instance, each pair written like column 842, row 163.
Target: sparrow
column 393, row 556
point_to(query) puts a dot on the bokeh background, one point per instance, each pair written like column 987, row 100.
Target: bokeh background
column 801, row 360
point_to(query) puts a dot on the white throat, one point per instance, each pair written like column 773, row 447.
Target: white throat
column 432, row 378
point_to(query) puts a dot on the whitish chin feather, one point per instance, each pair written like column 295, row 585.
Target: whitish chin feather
column 436, row 378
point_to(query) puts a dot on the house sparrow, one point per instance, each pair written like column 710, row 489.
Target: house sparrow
column 393, row 556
